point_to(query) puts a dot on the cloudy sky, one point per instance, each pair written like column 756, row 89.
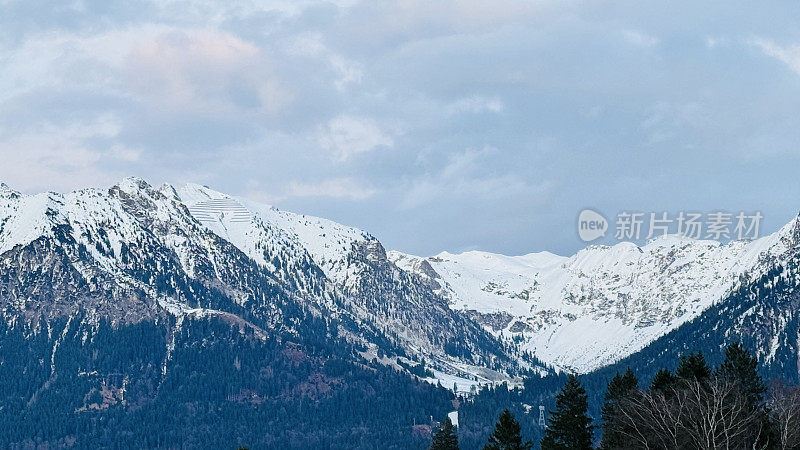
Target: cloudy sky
column 447, row 125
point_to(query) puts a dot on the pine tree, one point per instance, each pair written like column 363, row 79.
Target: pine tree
column 629, row 381
column 694, row 367
column 742, row 367
column 570, row 426
column 506, row 435
column 445, row 437
column 662, row 381
column 619, row 388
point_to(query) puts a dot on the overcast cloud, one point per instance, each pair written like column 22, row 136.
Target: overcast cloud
column 448, row 125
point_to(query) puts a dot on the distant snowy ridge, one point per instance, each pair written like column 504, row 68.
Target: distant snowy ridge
column 603, row 303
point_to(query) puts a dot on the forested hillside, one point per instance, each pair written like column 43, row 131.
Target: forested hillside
column 225, row 383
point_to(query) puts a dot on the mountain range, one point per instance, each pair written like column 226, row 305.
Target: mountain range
column 119, row 302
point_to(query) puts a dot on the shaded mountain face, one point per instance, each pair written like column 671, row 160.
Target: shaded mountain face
column 762, row 315
column 603, row 303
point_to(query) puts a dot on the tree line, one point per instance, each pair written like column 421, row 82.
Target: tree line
column 694, row 407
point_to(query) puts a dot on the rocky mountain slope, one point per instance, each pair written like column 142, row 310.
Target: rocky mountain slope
column 136, row 253
column 360, row 277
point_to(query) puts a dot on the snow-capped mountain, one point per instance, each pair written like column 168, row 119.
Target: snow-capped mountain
column 135, row 253
column 603, row 303
column 362, row 278
column 126, row 254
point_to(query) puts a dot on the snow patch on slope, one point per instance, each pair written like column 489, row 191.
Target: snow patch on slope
column 328, row 243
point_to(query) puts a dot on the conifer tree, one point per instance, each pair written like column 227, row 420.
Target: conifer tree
column 445, row 437
column 662, row 381
column 693, row 367
column 742, row 367
column 570, row 426
column 629, row 381
column 620, row 387
column 506, row 435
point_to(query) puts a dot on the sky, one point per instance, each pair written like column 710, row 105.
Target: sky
column 448, row 125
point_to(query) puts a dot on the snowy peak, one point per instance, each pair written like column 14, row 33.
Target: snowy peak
column 192, row 193
column 253, row 226
column 220, row 212
column 356, row 269
column 132, row 185
column 789, row 234
column 6, row 191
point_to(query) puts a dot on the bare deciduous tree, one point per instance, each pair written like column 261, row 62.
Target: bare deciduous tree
column 697, row 414
column 783, row 403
